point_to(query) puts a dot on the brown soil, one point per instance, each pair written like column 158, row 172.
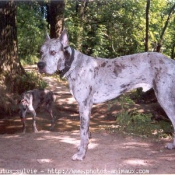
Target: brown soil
column 109, row 152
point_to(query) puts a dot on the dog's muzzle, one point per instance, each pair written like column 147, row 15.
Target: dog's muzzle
column 41, row 65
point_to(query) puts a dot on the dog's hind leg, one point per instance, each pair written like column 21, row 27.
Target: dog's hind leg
column 171, row 115
column 166, row 98
column 170, row 111
column 52, row 120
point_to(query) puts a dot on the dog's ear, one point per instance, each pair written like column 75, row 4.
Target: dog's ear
column 47, row 36
column 64, row 39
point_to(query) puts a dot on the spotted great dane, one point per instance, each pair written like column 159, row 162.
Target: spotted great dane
column 95, row 80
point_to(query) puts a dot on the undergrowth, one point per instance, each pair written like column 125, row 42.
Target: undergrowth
column 20, row 83
column 134, row 122
column 29, row 60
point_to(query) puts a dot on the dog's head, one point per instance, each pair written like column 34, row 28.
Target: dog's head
column 54, row 53
column 24, row 102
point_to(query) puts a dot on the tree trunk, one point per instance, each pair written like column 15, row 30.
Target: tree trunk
column 56, row 17
column 173, row 51
column 147, row 26
column 9, row 61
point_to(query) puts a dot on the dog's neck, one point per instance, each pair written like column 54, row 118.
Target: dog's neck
column 68, row 63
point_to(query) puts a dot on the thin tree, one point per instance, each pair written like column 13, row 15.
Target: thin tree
column 159, row 44
column 81, row 6
column 147, row 26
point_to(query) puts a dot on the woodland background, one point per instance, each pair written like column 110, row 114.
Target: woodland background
column 103, row 28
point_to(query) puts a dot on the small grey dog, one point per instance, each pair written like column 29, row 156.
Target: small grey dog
column 31, row 100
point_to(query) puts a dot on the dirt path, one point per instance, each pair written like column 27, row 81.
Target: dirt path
column 50, row 152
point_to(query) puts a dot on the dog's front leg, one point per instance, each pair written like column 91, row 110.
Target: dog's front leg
column 85, row 112
column 50, row 111
column 23, row 120
column 52, row 120
column 34, row 121
column 32, row 110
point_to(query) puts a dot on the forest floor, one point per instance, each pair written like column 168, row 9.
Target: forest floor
column 109, row 151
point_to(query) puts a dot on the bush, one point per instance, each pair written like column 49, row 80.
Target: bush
column 29, row 60
column 8, row 102
column 19, row 84
column 137, row 123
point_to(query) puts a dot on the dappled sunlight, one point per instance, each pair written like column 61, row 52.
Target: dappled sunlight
column 12, row 127
column 66, row 101
column 14, row 136
column 76, row 141
column 72, row 138
column 67, row 139
column 53, row 85
column 70, row 100
column 169, row 157
column 136, row 144
column 137, row 162
column 45, row 160
column 92, row 144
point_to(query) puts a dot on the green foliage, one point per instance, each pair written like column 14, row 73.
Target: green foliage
column 136, row 123
column 106, row 28
column 30, row 80
column 139, row 123
column 31, row 31
column 113, row 28
column 109, row 28
column 29, row 60
column 100, row 48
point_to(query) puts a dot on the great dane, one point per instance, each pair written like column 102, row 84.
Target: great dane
column 95, row 80
column 31, row 100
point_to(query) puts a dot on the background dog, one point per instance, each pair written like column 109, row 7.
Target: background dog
column 31, row 100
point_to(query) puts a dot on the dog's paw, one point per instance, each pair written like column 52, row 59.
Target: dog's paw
column 52, row 127
column 169, row 146
column 36, row 131
column 78, row 148
column 78, row 156
column 24, row 131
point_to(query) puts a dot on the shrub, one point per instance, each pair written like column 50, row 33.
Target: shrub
column 138, row 123
column 30, row 80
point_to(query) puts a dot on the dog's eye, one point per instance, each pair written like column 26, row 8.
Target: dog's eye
column 52, row 52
